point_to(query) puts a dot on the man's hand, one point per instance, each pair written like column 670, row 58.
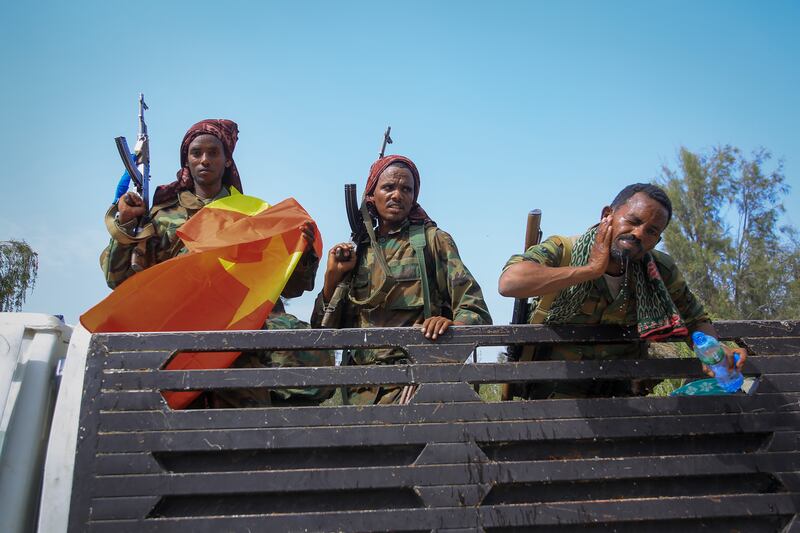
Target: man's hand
column 729, row 355
column 341, row 260
column 130, row 206
column 307, row 234
column 601, row 249
column 435, row 326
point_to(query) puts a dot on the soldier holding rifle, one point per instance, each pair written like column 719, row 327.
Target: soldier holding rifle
column 405, row 272
column 207, row 173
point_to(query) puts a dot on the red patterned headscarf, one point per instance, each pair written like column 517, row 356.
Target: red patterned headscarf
column 417, row 214
column 227, row 131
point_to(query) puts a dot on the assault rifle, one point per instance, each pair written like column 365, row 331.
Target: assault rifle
column 137, row 168
column 361, row 228
column 533, row 236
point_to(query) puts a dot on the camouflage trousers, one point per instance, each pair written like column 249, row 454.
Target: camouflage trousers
column 383, row 395
column 376, row 395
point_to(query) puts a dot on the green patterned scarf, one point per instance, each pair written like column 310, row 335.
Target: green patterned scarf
column 656, row 314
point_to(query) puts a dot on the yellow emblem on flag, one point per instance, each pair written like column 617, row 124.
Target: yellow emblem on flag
column 264, row 278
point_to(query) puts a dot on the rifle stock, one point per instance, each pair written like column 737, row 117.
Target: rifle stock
column 533, row 236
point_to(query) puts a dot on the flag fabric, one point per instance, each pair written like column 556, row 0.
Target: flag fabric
column 241, row 253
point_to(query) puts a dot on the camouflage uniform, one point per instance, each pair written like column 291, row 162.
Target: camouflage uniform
column 167, row 218
column 600, row 307
column 454, row 294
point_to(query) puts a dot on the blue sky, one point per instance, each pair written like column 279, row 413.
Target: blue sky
column 504, row 106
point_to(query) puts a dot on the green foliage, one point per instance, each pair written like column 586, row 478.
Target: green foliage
column 667, row 350
column 19, row 265
column 490, row 392
column 725, row 237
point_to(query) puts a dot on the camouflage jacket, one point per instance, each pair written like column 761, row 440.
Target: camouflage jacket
column 454, row 292
column 600, row 307
column 165, row 244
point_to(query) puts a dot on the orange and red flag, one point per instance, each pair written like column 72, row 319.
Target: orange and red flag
column 241, row 254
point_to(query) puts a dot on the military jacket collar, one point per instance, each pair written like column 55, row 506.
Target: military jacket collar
column 189, row 200
column 403, row 227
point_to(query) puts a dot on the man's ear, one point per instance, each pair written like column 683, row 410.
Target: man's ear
column 228, row 163
column 605, row 212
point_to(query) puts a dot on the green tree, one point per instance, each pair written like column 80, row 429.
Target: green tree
column 19, row 265
column 725, row 235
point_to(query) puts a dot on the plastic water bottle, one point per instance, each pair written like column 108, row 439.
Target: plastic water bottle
column 709, row 351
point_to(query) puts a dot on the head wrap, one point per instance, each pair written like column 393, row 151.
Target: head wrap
column 227, row 131
column 417, row 214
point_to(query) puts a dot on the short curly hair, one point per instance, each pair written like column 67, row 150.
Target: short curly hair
column 654, row 192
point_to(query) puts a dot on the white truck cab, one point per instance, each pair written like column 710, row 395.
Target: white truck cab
column 41, row 378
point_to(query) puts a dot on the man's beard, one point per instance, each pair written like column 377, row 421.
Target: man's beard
column 623, row 256
column 620, row 256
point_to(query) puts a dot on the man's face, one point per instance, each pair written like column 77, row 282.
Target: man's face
column 206, row 160
column 636, row 227
column 394, row 195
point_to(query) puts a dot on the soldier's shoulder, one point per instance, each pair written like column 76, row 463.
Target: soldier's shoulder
column 553, row 244
column 165, row 206
column 549, row 252
column 438, row 236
